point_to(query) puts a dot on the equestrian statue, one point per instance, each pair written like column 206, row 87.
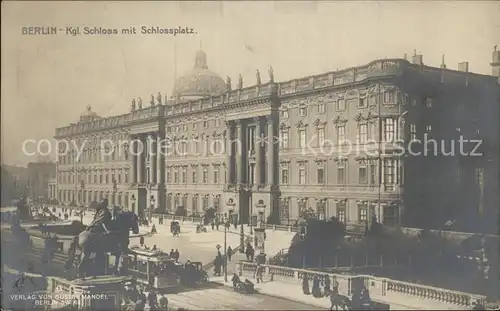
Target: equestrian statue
column 103, row 235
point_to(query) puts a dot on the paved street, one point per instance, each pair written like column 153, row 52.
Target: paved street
column 223, row 298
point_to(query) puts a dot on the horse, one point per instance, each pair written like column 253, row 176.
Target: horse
column 337, row 300
column 116, row 242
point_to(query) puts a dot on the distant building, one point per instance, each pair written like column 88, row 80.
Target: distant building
column 39, row 174
column 294, row 138
column 14, row 183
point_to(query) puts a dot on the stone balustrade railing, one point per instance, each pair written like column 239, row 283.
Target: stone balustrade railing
column 376, row 285
column 355, row 227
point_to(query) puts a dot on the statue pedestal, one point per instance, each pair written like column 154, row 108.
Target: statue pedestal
column 259, row 234
column 100, row 293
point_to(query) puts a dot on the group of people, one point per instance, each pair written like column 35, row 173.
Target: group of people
column 175, row 255
column 135, row 299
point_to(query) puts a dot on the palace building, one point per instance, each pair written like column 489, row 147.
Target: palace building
column 330, row 144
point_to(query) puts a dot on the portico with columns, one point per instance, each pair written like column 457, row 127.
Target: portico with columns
column 252, row 188
column 148, row 170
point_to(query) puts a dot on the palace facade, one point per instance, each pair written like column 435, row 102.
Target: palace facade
column 330, row 144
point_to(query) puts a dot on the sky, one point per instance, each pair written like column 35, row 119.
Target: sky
column 47, row 81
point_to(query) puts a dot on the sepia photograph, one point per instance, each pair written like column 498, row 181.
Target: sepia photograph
column 250, row 155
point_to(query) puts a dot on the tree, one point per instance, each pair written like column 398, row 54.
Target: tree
column 317, row 243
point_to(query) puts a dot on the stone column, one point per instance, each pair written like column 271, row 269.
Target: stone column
column 154, row 155
column 229, row 153
column 140, row 158
column 271, row 151
column 133, row 148
column 239, row 152
column 258, row 152
column 158, row 159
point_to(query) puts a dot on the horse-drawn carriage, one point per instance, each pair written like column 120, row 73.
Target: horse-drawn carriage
column 155, row 268
column 194, row 274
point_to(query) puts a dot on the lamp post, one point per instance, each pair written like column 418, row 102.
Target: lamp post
column 151, row 206
column 132, row 199
column 225, row 247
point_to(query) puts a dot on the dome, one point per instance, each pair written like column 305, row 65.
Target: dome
column 88, row 115
column 199, row 82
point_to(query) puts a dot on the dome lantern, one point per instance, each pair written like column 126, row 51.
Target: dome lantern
column 199, row 82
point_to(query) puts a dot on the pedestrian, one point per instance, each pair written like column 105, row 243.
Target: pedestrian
column 141, row 241
column 212, row 225
column 152, row 300
column 258, row 273
column 163, row 301
column 229, row 253
column 176, row 255
column 217, row 225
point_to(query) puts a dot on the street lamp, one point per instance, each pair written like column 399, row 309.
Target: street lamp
column 132, row 199
column 225, row 247
column 151, row 206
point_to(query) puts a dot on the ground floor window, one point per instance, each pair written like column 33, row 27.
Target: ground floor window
column 342, row 212
column 391, row 215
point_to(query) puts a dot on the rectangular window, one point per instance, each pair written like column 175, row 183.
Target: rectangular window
column 341, row 175
column 302, row 139
column 373, row 173
column 169, row 175
column 195, row 178
column 194, row 204
column 184, row 175
column 302, row 176
column 176, row 176
column 362, row 212
column 389, row 171
column 362, row 134
column 389, row 97
column 373, row 100
column 413, row 132
column 205, row 124
column 284, row 139
column 205, row 202
column 321, row 108
column 389, row 129
column 320, row 175
column 321, row 136
column 340, row 105
column 362, row 176
column 216, row 176
column 205, row 175
column 362, row 102
column 428, row 102
column 340, row 134
column 321, row 209
column 302, row 111
column 341, row 212
column 194, row 125
column 284, row 176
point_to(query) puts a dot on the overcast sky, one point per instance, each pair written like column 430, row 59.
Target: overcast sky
column 47, row 81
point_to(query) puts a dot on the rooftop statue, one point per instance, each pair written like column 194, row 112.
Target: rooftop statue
column 139, row 103
column 240, row 82
column 258, row 77
column 228, row 84
column 152, row 101
column 271, row 74
column 158, row 98
column 133, row 104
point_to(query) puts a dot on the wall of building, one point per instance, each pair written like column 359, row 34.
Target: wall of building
column 369, row 106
